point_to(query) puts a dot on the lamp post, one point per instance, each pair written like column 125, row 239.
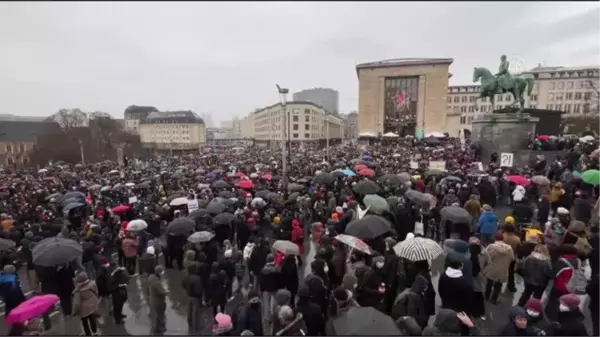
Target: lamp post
column 284, row 153
column 327, row 134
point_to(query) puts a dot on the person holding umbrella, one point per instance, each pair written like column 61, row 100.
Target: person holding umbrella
column 10, row 288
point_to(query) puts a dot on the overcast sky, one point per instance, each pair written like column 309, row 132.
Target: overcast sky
column 225, row 58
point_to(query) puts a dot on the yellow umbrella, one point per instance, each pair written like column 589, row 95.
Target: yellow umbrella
column 416, row 177
column 532, row 232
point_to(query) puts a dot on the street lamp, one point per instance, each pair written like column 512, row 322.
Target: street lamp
column 284, row 153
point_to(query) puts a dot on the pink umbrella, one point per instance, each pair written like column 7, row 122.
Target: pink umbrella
column 267, row 176
column 543, row 137
column 246, row 184
column 31, row 308
column 519, row 180
column 366, row 172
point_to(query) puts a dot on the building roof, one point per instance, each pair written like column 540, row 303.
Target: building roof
column 188, row 117
column 11, row 117
column 23, row 131
column 138, row 112
column 560, row 69
column 403, row 62
column 256, row 111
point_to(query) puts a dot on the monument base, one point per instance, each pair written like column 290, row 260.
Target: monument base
column 503, row 131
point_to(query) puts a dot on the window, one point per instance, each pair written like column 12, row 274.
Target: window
column 307, row 135
column 456, row 99
column 568, row 108
column 587, row 96
column 586, row 108
column 306, row 127
column 307, row 119
column 561, row 85
column 580, row 84
column 463, row 109
column 559, row 96
column 508, row 97
column 471, row 108
column 569, row 96
column 294, row 135
column 578, row 95
column 576, row 108
column 558, row 107
column 551, row 97
column 484, row 99
column 552, row 86
column 464, row 99
column 484, row 108
column 21, row 148
column 586, row 84
column 295, row 118
column 295, row 127
column 532, row 106
column 499, row 98
column 534, row 97
column 463, row 120
column 550, row 106
column 455, row 109
column 449, row 99
column 570, row 85
column 472, row 99
column 8, row 148
column 307, row 111
column 470, row 119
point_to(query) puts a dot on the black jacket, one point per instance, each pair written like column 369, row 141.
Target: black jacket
column 192, row 282
column 455, row 292
column 146, row 264
column 571, row 324
column 313, row 317
column 270, row 278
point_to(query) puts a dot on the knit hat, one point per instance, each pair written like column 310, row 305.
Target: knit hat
column 390, row 242
column 222, row 324
column 562, row 211
column 509, row 220
column 571, row 301
column 339, row 209
column 81, row 277
column 253, row 295
column 534, row 304
column 9, row 268
column 349, row 282
column 276, row 219
column 150, row 250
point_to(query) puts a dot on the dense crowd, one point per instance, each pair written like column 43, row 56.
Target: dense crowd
column 344, row 245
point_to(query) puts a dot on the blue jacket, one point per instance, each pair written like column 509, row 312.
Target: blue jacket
column 10, row 291
column 488, row 224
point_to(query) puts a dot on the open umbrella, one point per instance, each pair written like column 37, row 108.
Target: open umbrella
column 338, row 174
column 225, row 194
column 540, row 180
column 179, row 201
column 72, row 206
column 74, row 194
column 33, row 307
column 519, row 180
column 121, row 209
column 223, row 219
column 353, row 242
column 295, row 187
column 142, row 186
column 418, row 198
column 246, row 184
column 6, row 244
column 366, row 187
column 418, row 249
column 359, row 167
column 55, row 196
column 215, row 208
column 391, row 179
column 369, row 227
column 286, row 247
column 377, row 204
column 364, row 321
column 181, row 226
column 405, row 176
column 55, row 251
column 455, row 214
column 262, row 194
column 199, row 213
column 591, row 177
column 137, row 225
column 200, row 237
column 433, row 172
column 325, row 178
column 349, row 172
column 220, row 184
column 366, row 172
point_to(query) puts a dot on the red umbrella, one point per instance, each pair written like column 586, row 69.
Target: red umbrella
column 543, row 137
column 121, row 209
column 246, row 184
column 267, row 176
column 239, row 175
column 359, row 167
column 367, row 172
column 519, row 180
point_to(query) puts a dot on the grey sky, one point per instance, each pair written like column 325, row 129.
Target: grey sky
column 225, row 58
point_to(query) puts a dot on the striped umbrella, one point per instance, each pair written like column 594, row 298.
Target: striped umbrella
column 418, row 249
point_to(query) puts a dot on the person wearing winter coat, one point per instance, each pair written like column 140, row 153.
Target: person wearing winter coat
column 554, row 233
column 189, row 257
column 563, row 271
column 298, row 236
column 478, row 305
column 510, row 238
column 318, row 284
column 488, row 225
column 227, row 265
column 158, row 303
column 289, row 276
column 536, row 319
column 146, row 266
column 537, row 273
column 454, row 291
column 248, row 317
column 247, row 253
column 498, row 257
column 543, row 209
column 282, row 297
column 129, row 247
column 117, row 284
column 411, row 302
column 311, row 313
column 10, row 288
column 269, row 281
column 451, row 323
column 517, row 324
column 217, row 288
column 86, row 302
column 193, row 285
column 292, row 324
column 570, row 319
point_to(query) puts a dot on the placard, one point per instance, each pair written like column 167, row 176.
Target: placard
column 133, row 200
column 414, row 165
column 480, row 166
column 506, row 159
column 437, row 165
column 192, row 205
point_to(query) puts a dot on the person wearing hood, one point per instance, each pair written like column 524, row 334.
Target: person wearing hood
column 86, row 302
column 270, row 282
column 223, row 325
column 227, row 265
column 289, row 276
column 146, row 265
column 318, row 283
column 247, row 253
column 298, row 235
column 536, row 319
column 563, row 269
column 10, row 288
column 371, row 288
column 537, row 273
column 292, row 323
column 570, row 318
column 455, row 292
column 411, row 302
column 311, row 313
column 488, row 225
column 248, row 317
column 517, row 324
column 554, row 233
column 478, row 301
column 193, row 285
column 217, row 288
column 498, row 258
column 158, row 303
column 189, row 257
column 450, row 323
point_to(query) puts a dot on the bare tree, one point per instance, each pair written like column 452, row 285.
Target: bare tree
column 70, row 118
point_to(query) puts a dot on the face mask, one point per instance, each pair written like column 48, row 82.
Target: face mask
column 161, row 274
column 532, row 313
column 326, row 269
column 379, row 265
column 255, row 305
column 563, row 308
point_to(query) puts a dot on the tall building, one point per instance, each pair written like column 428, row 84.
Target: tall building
column 307, row 122
column 133, row 115
column 173, row 130
column 325, row 97
column 571, row 90
column 403, row 96
column 350, row 125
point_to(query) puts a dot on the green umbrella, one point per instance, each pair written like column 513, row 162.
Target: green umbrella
column 433, row 172
column 591, row 177
column 378, row 204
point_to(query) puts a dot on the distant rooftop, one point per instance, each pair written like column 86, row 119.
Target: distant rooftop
column 172, row 117
column 541, row 69
column 404, row 62
column 11, row 117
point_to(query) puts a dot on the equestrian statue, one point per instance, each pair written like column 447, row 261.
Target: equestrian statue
column 501, row 83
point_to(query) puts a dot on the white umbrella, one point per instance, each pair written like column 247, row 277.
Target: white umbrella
column 113, row 172
column 397, row 155
column 43, row 171
column 587, row 139
column 367, row 135
column 354, row 242
column 286, row 247
column 418, row 249
column 130, row 184
column 436, row 135
column 200, row 237
column 136, row 225
column 179, row 201
column 105, row 188
column 258, row 202
column 390, row 135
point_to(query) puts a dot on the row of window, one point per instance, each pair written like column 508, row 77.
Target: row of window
column 559, row 96
column 570, row 85
column 569, row 108
column 466, row 120
column 17, row 149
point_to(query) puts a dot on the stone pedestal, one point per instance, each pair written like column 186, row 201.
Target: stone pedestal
column 502, row 132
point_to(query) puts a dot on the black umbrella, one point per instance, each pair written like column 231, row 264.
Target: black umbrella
column 295, row 187
column 455, row 214
column 225, row 194
column 276, row 178
column 223, row 219
column 262, row 194
column 324, row 179
column 181, row 226
column 365, row 321
column 226, row 202
column 338, row 174
column 6, row 244
column 391, row 179
column 54, row 196
column 220, row 184
column 370, row 226
column 215, row 207
column 432, row 141
column 74, row 194
column 366, row 187
column 142, row 186
column 199, row 213
column 418, row 198
column 55, row 251
column 202, row 203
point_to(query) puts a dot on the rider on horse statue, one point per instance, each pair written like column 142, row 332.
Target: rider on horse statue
column 504, row 77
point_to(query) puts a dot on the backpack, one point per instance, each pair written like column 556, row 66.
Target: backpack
column 400, row 307
column 577, row 284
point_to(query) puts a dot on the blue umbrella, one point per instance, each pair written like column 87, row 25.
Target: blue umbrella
column 74, row 194
column 71, row 201
column 69, row 207
column 367, row 158
column 349, row 172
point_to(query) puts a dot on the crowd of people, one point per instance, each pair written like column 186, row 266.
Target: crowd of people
column 343, row 244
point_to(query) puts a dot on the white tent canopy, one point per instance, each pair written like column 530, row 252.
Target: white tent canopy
column 367, row 135
column 436, row 135
column 391, row 135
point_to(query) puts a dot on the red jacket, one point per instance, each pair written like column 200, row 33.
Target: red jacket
column 298, row 235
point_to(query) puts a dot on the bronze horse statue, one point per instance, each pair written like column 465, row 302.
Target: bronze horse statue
column 490, row 86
